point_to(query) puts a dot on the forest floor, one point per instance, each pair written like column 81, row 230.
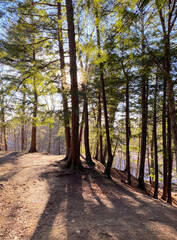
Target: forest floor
column 39, row 200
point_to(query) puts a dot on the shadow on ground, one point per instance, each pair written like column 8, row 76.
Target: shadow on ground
column 9, row 157
column 6, row 158
column 89, row 206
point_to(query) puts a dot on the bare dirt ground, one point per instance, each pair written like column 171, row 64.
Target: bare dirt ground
column 40, row 201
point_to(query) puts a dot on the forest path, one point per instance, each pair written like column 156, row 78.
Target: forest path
column 40, row 201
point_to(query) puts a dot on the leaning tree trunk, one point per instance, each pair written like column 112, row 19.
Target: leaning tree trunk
column 63, row 78
column 74, row 159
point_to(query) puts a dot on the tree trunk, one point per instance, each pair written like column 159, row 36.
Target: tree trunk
column 86, row 130
column 101, row 159
column 34, row 127
column 35, row 109
column 143, row 135
column 165, row 160
column 82, row 125
column 96, row 151
column 149, row 165
column 169, row 199
column 152, row 157
column 105, row 153
column 59, row 149
column 15, row 141
column 23, row 123
column 1, row 148
column 50, row 139
column 22, row 136
column 155, row 144
column 4, row 129
column 63, row 77
column 144, row 106
column 115, row 148
column 127, row 132
column 170, row 93
column 110, row 157
column 167, row 28
column 97, row 133
column 3, row 126
column 138, row 160
column 74, row 159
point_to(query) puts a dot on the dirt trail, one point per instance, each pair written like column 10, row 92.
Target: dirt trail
column 40, row 201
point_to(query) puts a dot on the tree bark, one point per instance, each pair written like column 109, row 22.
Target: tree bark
column 34, row 127
column 165, row 160
column 170, row 93
column 152, row 157
column 144, row 106
column 97, row 132
column 59, row 149
column 63, row 77
column 50, row 139
column 167, row 28
column 127, row 131
column 110, row 157
column 74, row 159
column 105, row 153
column 4, row 127
column 82, row 125
column 23, row 123
column 35, row 110
column 1, row 139
column 143, row 135
column 138, row 160
column 86, row 129
column 155, row 144
column 169, row 199
column 100, row 156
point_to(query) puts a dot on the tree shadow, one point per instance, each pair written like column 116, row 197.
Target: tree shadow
column 11, row 157
column 93, row 207
column 61, row 209
column 5, row 177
